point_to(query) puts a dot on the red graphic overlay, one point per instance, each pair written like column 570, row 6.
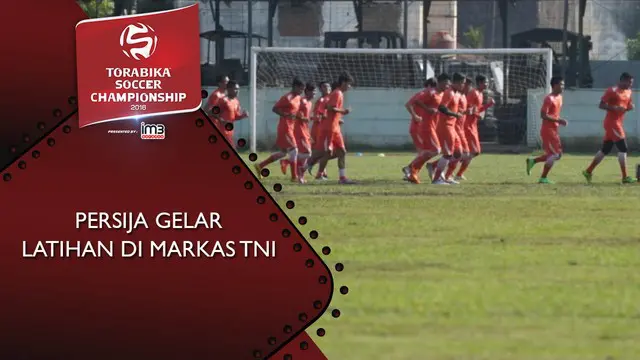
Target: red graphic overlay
column 170, row 306
column 47, row 309
column 140, row 65
column 38, row 70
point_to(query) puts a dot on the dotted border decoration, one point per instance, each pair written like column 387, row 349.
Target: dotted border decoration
column 236, row 170
column 297, row 247
column 26, row 138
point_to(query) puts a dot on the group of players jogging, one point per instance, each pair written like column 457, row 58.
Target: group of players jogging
column 444, row 123
column 308, row 133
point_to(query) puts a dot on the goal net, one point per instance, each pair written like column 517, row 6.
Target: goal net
column 386, row 78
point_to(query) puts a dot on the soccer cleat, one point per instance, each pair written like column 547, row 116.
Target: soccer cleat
column 628, row 180
column 258, row 169
column 439, row 182
column 530, row 164
column 451, row 181
column 430, row 170
column 587, row 175
column 302, row 181
column 460, row 178
column 544, row 181
column 283, row 166
column 345, row 181
column 406, row 171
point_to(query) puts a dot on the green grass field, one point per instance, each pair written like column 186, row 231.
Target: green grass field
column 497, row 268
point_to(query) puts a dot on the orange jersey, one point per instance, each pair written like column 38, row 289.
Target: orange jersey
column 421, row 96
column 451, row 100
column 213, row 99
column 336, row 100
column 551, row 106
column 615, row 96
column 229, row 109
column 301, row 129
column 462, row 107
column 432, row 100
column 288, row 104
column 474, row 100
column 320, row 110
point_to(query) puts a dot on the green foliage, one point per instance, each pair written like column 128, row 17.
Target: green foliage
column 97, row 8
column 474, row 37
column 633, row 48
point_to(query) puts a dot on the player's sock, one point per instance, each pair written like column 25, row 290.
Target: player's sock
column 539, row 159
column 273, row 157
column 293, row 157
column 419, row 161
column 442, row 165
column 302, row 164
column 547, row 166
column 284, row 163
column 622, row 160
column 414, row 163
column 596, row 161
column 342, row 173
column 451, row 167
column 464, row 164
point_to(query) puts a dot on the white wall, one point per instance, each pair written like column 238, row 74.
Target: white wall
column 379, row 119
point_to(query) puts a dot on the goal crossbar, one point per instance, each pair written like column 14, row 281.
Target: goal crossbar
column 253, row 76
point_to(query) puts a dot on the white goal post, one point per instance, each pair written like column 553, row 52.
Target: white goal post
column 384, row 80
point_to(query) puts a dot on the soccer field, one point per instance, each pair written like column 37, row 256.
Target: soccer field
column 497, row 268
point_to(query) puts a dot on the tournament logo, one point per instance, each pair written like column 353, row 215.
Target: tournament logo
column 138, row 41
column 138, row 66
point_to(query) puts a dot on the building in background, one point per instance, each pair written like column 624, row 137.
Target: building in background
column 300, row 23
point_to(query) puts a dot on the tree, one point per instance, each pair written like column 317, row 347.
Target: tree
column 97, row 8
column 633, row 48
column 474, row 37
column 122, row 6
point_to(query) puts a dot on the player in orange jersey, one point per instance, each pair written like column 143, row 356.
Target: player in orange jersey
column 288, row 108
column 417, row 109
column 449, row 109
column 476, row 106
column 551, row 120
column 427, row 130
column 616, row 101
column 301, row 129
column 331, row 134
column 227, row 111
column 320, row 110
column 215, row 96
column 318, row 148
column 319, row 113
column 460, row 145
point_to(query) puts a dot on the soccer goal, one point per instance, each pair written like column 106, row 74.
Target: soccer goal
column 384, row 81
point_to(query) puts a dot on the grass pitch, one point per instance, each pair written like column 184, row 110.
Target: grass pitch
column 497, row 268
